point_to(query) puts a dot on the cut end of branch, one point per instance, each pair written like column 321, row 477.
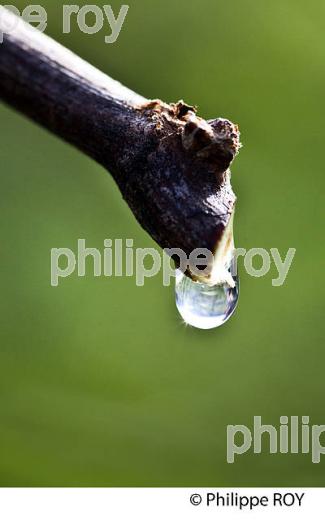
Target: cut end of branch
column 187, row 196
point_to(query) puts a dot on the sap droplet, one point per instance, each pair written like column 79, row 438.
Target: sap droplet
column 205, row 306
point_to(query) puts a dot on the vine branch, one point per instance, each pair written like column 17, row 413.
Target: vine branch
column 172, row 167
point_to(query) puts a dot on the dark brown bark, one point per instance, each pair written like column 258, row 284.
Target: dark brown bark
column 170, row 165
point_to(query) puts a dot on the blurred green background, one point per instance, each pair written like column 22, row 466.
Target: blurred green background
column 101, row 382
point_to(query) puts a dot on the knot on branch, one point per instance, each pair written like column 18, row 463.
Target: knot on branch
column 210, row 145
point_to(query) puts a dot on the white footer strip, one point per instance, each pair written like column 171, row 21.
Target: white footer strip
column 156, row 503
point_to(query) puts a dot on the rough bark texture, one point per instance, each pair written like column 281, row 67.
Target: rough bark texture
column 170, row 165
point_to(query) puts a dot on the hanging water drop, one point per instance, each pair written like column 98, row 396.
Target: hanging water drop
column 205, row 306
